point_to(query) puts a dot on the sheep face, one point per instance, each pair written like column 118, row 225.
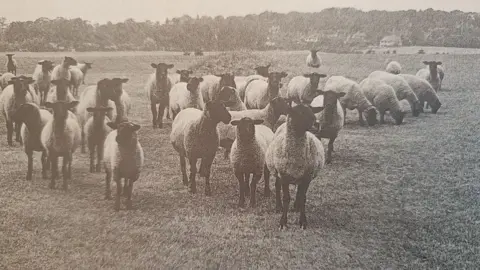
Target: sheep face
column 24, row 111
column 246, row 127
column 330, row 99
column 126, row 133
column 216, row 111
column 161, row 71
column 20, row 87
column 62, row 86
column 435, row 106
column 193, row 83
column 398, row 116
column 371, row 116
column 88, row 65
column 184, row 74
column 115, row 89
column 313, row 52
column 60, row 109
column 314, row 79
column 69, row 61
column 227, row 79
column 228, row 96
column 280, row 106
column 302, row 118
column 47, row 65
column 274, row 79
column 263, row 70
column 9, row 55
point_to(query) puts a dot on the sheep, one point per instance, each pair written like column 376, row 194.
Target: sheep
column 34, row 120
column 59, row 91
column 60, row 138
column 354, row 98
column 42, row 77
column 11, row 64
column 120, row 98
column 259, row 92
column 62, row 71
column 4, row 79
column 248, row 156
column 331, row 119
column 431, row 74
column 13, row 96
column 383, row 97
column 295, row 156
column 84, row 67
column 186, row 95
column 181, row 75
column 441, row 73
column 123, row 158
column 424, row 92
column 194, row 135
column 77, row 77
column 270, row 114
column 393, row 67
column 96, row 130
column 303, row 89
column 242, row 86
column 212, row 85
column 401, row 87
column 313, row 60
column 158, row 88
column 234, row 102
column 241, row 81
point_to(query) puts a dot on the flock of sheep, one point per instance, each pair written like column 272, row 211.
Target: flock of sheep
column 262, row 131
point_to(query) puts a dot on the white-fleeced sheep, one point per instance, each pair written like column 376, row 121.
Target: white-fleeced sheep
column 123, row 158
column 158, row 87
column 84, row 67
column 61, row 137
column 431, row 74
column 186, row 95
column 194, row 136
column 96, row 131
column 4, row 79
column 212, row 85
column 34, row 120
column 259, row 92
column 354, row 98
column 247, row 157
column 181, row 75
column 393, row 67
column 330, row 119
column 424, row 92
column 120, row 98
column 313, row 60
column 303, row 89
column 401, row 87
column 13, row 96
column 11, row 64
column 76, row 79
column 243, row 85
column 236, row 103
column 295, row 156
column 42, row 77
column 62, row 71
column 261, row 72
column 383, row 97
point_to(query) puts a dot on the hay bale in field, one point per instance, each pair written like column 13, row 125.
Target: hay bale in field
column 240, row 63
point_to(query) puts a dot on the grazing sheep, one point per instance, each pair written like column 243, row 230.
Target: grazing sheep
column 11, row 64
column 96, row 130
column 259, row 92
column 62, row 71
column 123, row 158
column 383, row 97
column 313, row 60
column 34, row 120
column 61, row 137
column 60, row 91
column 4, row 79
column 248, row 156
column 13, row 96
column 212, row 85
column 42, row 77
column 158, row 88
column 393, row 67
column 186, row 95
column 84, row 67
column 194, row 136
column 330, row 119
column 424, row 92
column 295, row 156
column 354, row 98
column 431, row 74
column 401, row 87
column 303, row 89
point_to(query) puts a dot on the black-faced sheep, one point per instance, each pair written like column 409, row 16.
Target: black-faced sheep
column 158, row 88
column 303, row 89
column 186, row 95
column 259, row 92
column 431, row 74
column 42, row 77
column 11, row 64
column 313, row 60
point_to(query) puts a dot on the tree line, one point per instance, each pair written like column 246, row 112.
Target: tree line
column 332, row 29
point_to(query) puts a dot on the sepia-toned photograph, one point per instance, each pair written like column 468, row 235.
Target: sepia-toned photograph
column 307, row 134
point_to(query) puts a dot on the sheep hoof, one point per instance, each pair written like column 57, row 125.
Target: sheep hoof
column 185, row 181
column 44, row 175
column 193, row 190
column 129, row 205
column 108, row 197
column 328, row 161
column 92, row 169
column 208, row 192
column 29, row 177
column 252, row 204
column 278, row 209
column 99, row 168
column 283, row 223
column 117, row 208
column 241, row 204
column 51, row 186
column 303, row 224
column 267, row 192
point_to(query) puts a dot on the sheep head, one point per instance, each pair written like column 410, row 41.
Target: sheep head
column 274, row 83
column 227, row 79
column 371, row 116
column 263, row 70
column 47, row 65
column 69, row 61
column 20, row 87
column 246, row 127
column 314, row 79
column 301, row 118
column 330, row 100
column 435, row 106
column 62, row 86
column 193, row 83
column 216, row 111
column 398, row 116
column 126, row 133
column 60, row 109
column 161, row 71
column 184, row 74
column 227, row 95
column 280, row 106
column 116, row 89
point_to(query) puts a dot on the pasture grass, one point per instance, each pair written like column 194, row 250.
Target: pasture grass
column 394, row 197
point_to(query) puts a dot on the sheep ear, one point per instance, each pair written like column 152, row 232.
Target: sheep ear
column 323, row 75
column 200, row 79
column 11, row 82
column 190, row 71
column 317, row 109
column 178, row 72
column 268, row 66
column 257, row 121
column 48, row 105
column 153, row 65
column 426, row 63
column 41, row 62
column 170, row 66
column 112, row 125
column 439, row 63
column 135, row 127
column 320, row 92
column 284, row 74
column 307, row 75
column 124, row 80
column 73, row 103
column 235, row 122
column 341, row 94
column 90, row 109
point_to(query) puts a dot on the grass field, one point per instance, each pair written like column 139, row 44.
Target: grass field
column 395, row 197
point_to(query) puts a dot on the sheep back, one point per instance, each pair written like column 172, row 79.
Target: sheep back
column 381, row 95
column 157, row 95
column 181, row 98
column 127, row 165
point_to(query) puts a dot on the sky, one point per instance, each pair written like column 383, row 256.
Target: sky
column 101, row 11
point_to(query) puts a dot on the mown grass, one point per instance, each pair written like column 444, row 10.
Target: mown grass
column 395, row 196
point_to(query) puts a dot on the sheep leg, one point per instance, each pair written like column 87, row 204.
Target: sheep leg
column 247, row 184
column 153, row 108
column 241, row 185
column 91, row 148
column 207, row 168
column 18, row 138
column 9, row 132
column 168, row 112
column 286, row 201
column 45, row 165
column 108, row 178
column 125, row 187
column 330, row 150
column 30, row 165
column 193, row 172
column 297, row 202
column 54, row 164
column 266, row 178
column 382, row 117
column 129, row 193
column 344, row 115
column 161, row 111
column 82, row 142
column 66, row 161
column 303, row 217
column 360, row 118
column 118, row 180
column 183, row 168
column 253, row 188
column 99, row 157
column 278, row 198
